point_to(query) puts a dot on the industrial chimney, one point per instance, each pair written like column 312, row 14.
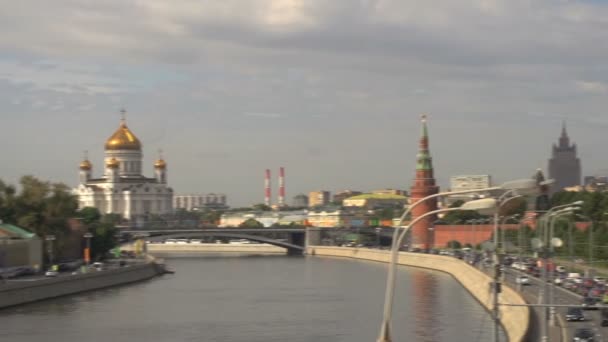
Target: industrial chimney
column 281, row 200
column 267, row 188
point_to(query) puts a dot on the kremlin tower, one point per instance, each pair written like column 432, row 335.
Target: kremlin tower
column 424, row 185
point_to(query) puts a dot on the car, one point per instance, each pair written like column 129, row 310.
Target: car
column 574, row 314
column 584, row 335
column 522, row 280
column 590, row 303
column 51, row 273
column 604, row 315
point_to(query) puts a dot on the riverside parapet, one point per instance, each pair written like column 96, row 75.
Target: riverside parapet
column 20, row 292
column 515, row 319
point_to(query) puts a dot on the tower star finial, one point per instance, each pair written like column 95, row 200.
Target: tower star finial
column 123, row 115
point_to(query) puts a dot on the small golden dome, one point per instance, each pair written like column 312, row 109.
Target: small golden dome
column 160, row 164
column 123, row 139
column 112, row 163
column 86, row 165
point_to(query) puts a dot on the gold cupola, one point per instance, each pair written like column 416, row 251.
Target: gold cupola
column 112, row 163
column 86, row 165
column 123, row 138
column 160, row 164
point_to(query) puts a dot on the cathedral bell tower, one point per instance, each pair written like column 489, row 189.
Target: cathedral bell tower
column 424, row 185
column 160, row 169
column 85, row 169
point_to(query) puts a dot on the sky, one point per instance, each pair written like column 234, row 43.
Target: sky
column 331, row 90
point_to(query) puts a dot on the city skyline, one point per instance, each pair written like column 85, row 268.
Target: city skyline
column 332, row 91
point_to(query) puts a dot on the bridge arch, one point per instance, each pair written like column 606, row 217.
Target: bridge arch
column 291, row 248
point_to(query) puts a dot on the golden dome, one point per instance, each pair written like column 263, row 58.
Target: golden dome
column 112, row 163
column 123, row 139
column 160, row 164
column 86, row 165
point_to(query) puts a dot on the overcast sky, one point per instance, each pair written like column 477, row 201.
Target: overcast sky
column 331, row 90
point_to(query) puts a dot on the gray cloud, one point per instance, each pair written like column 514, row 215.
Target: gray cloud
column 209, row 81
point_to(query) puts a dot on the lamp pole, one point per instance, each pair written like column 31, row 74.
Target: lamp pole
column 384, row 335
column 87, row 250
column 49, row 239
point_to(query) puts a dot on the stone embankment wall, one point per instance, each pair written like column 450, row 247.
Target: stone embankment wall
column 162, row 248
column 515, row 319
column 21, row 292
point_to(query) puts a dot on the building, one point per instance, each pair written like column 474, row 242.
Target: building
column 376, row 201
column 424, row 185
column 468, row 182
column 299, row 201
column 318, row 198
column 122, row 188
column 564, row 165
column 266, row 218
column 339, row 197
column 18, row 247
column 200, row 201
column 337, row 218
column 390, row 192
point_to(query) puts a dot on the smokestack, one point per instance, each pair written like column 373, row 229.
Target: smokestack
column 267, row 188
column 281, row 186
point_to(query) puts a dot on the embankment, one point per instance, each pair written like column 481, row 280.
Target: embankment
column 21, row 292
column 193, row 248
column 515, row 320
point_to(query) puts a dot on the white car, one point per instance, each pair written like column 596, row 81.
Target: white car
column 522, row 280
column 51, row 273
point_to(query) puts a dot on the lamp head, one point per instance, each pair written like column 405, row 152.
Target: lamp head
column 484, row 206
column 524, row 187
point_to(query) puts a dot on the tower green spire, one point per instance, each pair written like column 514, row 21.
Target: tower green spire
column 424, row 160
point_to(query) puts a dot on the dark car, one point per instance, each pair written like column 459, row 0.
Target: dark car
column 575, row 314
column 590, row 303
column 604, row 316
column 584, row 335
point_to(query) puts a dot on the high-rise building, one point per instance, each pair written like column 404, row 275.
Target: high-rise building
column 344, row 194
column 318, row 198
column 424, row 185
column 299, row 201
column 199, row 201
column 564, row 165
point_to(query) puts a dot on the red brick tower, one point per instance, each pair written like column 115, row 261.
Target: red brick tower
column 424, row 185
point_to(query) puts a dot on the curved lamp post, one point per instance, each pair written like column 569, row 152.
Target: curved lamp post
column 522, row 185
column 541, row 245
column 483, row 205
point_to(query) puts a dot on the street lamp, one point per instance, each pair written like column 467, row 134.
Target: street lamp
column 482, row 205
column 540, row 245
column 49, row 248
column 87, row 250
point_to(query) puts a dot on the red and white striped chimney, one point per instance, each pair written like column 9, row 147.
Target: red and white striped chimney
column 281, row 187
column 267, row 188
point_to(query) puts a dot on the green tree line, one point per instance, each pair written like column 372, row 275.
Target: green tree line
column 45, row 208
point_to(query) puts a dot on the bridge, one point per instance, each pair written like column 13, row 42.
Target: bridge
column 297, row 237
column 295, row 244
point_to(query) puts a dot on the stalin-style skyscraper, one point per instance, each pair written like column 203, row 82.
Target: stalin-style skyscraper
column 424, row 185
column 564, row 165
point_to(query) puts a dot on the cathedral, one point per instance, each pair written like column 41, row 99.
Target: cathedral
column 123, row 189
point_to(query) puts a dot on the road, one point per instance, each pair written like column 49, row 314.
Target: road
column 561, row 297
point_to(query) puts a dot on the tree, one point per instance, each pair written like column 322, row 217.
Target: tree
column 89, row 215
column 251, row 223
column 261, row 207
column 454, row 244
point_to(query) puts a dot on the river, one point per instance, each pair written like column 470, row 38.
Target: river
column 257, row 298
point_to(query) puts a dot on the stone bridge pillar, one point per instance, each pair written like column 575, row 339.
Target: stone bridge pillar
column 313, row 236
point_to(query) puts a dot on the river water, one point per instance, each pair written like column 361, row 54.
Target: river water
column 257, row 298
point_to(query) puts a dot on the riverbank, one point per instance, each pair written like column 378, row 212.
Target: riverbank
column 21, row 292
column 515, row 320
column 196, row 248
